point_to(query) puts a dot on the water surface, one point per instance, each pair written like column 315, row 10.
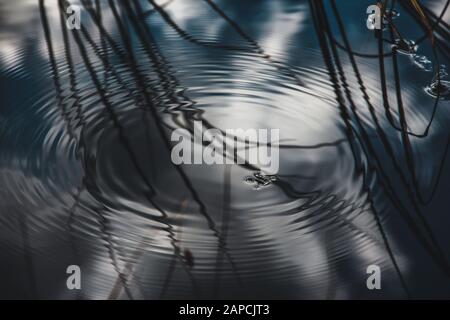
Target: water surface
column 86, row 176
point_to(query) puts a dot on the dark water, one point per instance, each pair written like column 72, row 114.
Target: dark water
column 86, row 176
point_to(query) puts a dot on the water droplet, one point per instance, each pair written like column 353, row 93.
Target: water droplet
column 392, row 14
column 422, row 62
column 404, row 46
column 442, row 71
column 258, row 179
column 250, row 180
column 443, row 88
column 439, row 86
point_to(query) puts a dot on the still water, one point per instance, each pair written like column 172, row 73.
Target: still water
column 86, row 176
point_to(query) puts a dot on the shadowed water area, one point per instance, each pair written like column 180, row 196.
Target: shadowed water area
column 86, row 176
